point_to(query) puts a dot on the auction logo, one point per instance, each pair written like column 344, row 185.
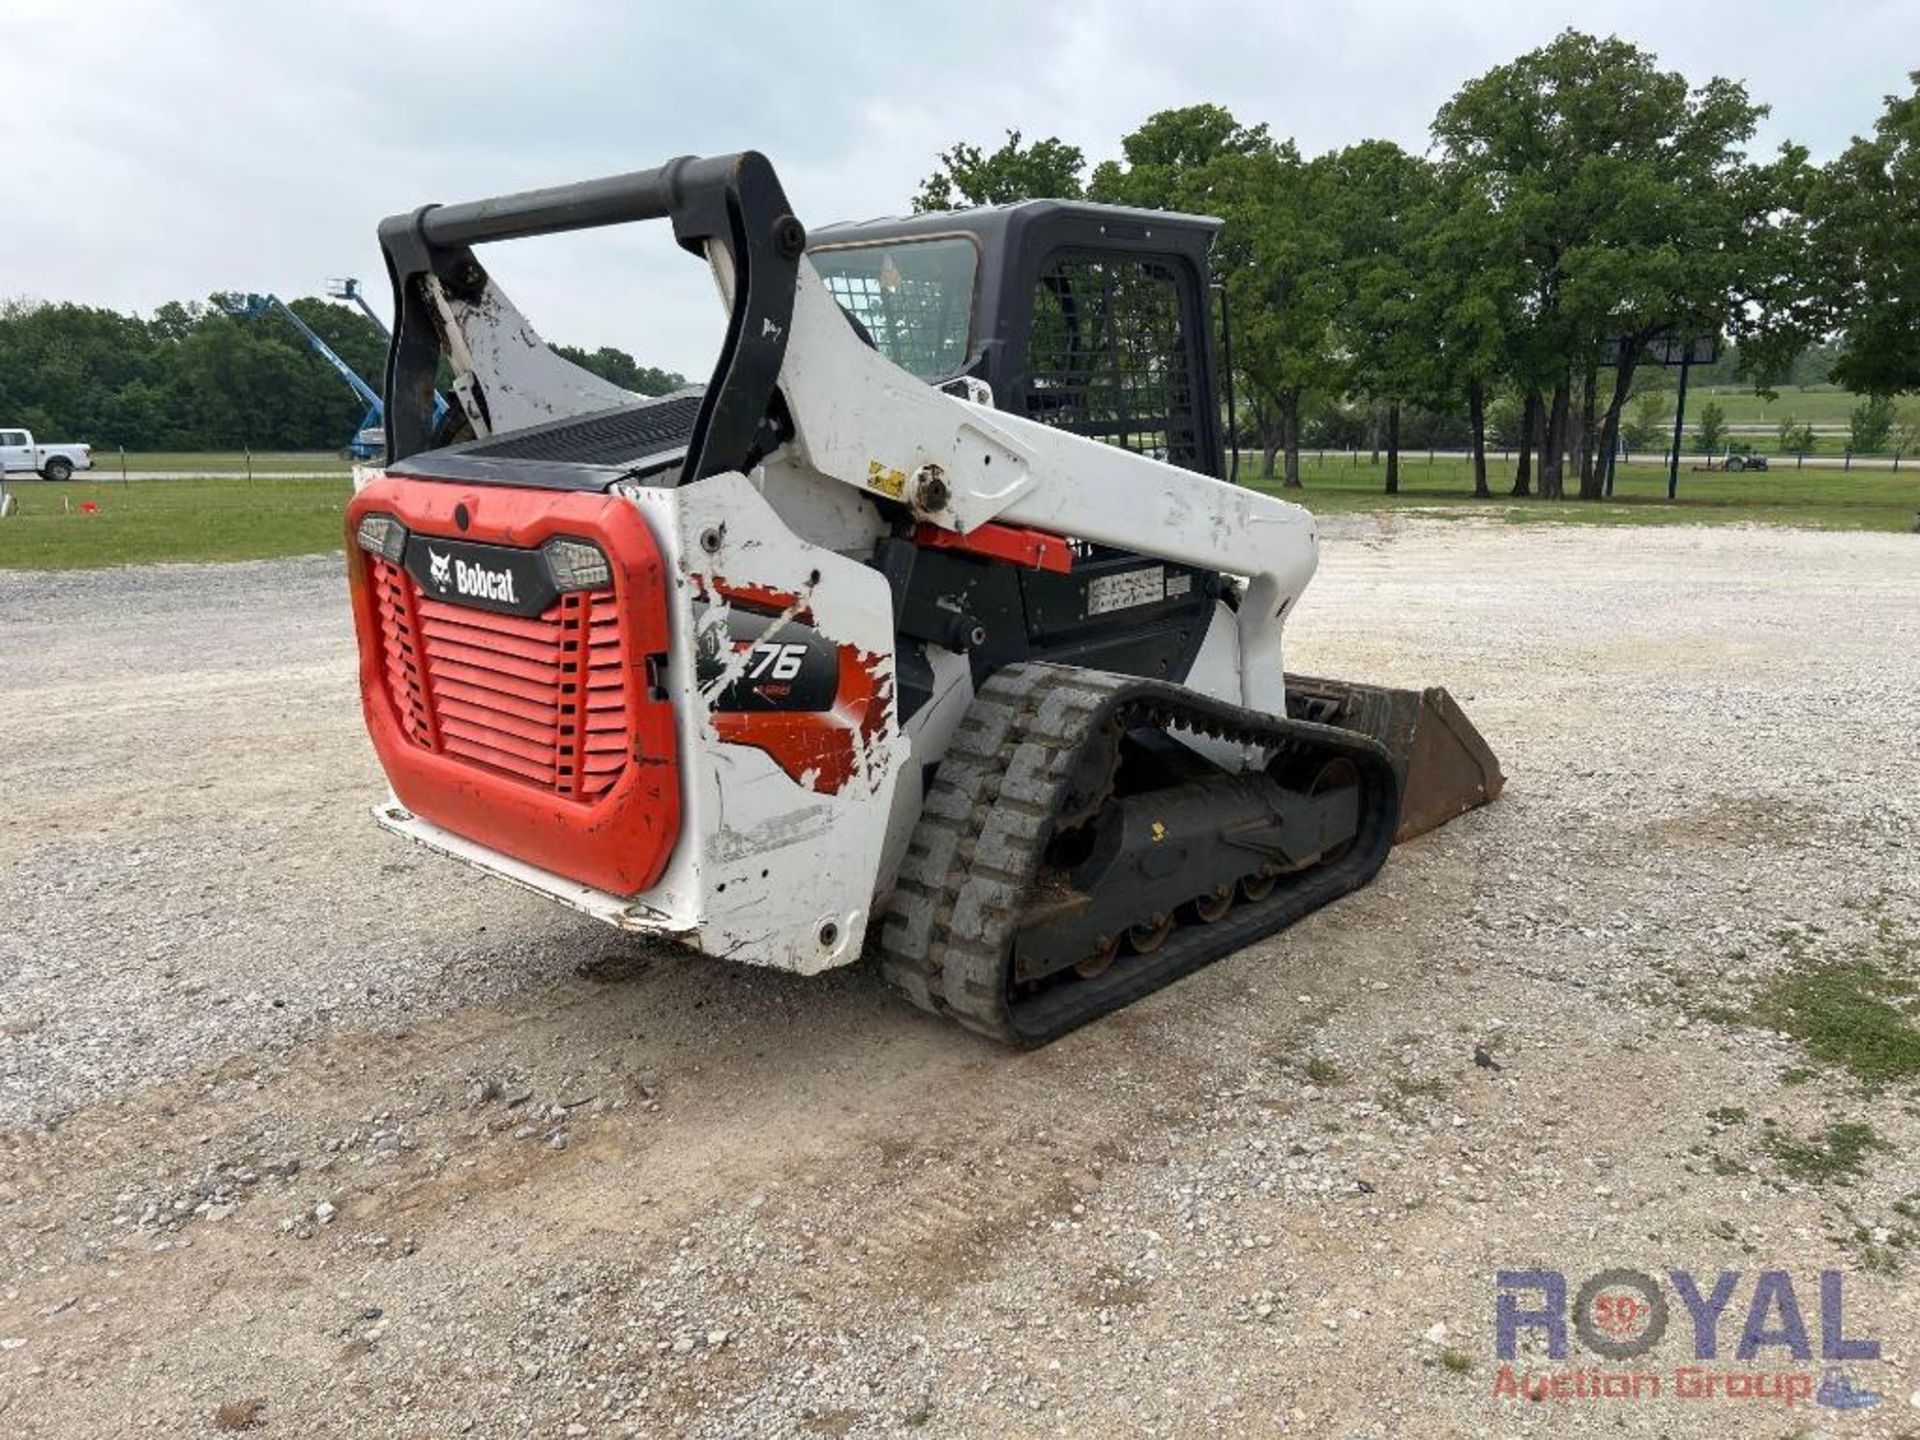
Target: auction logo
column 1621, row 1315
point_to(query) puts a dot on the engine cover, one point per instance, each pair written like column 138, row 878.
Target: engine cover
column 515, row 714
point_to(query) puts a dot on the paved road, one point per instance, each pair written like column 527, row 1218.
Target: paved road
column 1247, row 457
column 109, row 476
column 1415, row 458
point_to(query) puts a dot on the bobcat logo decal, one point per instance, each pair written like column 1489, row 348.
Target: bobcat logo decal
column 440, row 568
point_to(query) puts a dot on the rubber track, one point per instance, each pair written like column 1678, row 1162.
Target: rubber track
column 1035, row 745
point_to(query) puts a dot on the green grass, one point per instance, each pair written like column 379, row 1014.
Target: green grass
column 1819, row 499
column 218, row 514
column 1322, row 1071
column 1825, row 407
column 210, row 518
column 1837, row 1159
column 1815, row 405
column 1855, row 1015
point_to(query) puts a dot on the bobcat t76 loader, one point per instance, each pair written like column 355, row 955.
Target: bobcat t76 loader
column 924, row 626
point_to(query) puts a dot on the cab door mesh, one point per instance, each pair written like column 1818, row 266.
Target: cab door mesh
column 1108, row 355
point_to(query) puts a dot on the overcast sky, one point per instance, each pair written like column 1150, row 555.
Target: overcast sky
column 152, row 151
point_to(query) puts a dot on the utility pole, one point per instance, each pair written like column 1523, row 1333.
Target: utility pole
column 1679, row 421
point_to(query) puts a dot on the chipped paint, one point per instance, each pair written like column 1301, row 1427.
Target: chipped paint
column 494, row 349
column 763, row 856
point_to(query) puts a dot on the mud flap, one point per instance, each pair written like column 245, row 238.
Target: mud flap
column 1445, row 766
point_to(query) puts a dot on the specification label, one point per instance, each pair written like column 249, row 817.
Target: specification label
column 1120, row 592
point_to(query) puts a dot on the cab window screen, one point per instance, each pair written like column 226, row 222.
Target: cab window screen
column 915, row 299
column 1108, row 357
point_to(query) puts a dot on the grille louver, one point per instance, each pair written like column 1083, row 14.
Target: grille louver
column 543, row 700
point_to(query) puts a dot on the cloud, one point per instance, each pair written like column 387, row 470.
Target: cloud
column 157, row 151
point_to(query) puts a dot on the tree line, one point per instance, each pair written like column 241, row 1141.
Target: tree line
column 208, row 376
column 1579, row 212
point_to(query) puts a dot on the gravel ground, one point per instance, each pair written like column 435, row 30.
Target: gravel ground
column 311, row 1134
column 188, row 864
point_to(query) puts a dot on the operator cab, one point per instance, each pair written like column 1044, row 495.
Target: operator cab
column 1092, row 318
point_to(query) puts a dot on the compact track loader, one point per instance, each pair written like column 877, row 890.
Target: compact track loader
column 925, row 625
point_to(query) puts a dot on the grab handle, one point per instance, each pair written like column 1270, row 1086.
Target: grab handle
column 734, row 201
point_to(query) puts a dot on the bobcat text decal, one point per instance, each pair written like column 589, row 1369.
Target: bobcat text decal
column 472, row 580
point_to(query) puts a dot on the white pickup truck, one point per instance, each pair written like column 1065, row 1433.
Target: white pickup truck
column 51, row 462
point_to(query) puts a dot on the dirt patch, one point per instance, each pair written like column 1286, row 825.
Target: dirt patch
column 1740, row 821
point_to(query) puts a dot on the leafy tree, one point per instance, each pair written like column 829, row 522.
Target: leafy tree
column 1168, row 159
column 1047, row 169
column 1866, row 217
column 1612, row 174
column 1710, row 431
column 349, row 333
column 1283, row 279
column 1378, row 199
column 1468, row 284
column 1644, row 428
column 1277, row 254
column 1794, row 436
column 619, row 368
column 1870, row 425
column 1503, row 420
column 195, row 376
column 1584, row 203
column 1813, row 366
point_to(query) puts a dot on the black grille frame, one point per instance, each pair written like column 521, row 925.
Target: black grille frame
column 625, row 437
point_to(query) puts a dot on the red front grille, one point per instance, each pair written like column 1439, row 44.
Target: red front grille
column 543, row 700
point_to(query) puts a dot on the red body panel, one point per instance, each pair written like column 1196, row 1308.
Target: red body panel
column 1035, row 549
column 541, row 738
column 819, row 749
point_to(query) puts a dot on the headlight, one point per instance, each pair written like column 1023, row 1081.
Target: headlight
column 576, row 565
column 382, row 535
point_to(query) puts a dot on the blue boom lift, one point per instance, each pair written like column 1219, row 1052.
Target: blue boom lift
column 348, row 288
column 369, row 441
